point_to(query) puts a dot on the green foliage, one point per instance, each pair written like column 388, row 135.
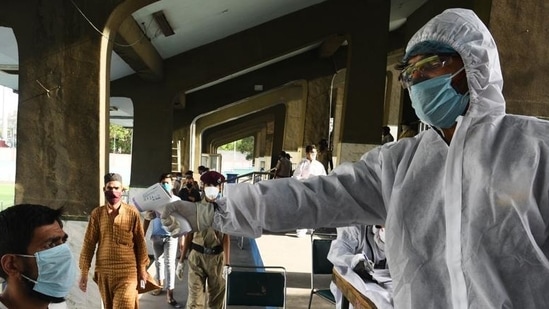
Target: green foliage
column 120, row 139
column 7, row 195
column 245, row 145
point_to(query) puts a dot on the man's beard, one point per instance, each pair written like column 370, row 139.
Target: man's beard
column 37, row 295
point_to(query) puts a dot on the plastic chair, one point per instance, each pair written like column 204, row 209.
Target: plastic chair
column 255, row 286
column 321, row 265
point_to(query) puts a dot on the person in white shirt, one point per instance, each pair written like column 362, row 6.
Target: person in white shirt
column 306, row 168
column 309, row 166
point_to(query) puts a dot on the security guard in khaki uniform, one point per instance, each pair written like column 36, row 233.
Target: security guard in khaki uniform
column 206, row 252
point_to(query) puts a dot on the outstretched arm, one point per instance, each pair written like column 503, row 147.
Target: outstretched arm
column 350, row 195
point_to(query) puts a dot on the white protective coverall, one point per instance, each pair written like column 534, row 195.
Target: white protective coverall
column 353, row 245
column 467, row 223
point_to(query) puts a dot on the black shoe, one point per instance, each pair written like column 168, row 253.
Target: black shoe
column 174, row 303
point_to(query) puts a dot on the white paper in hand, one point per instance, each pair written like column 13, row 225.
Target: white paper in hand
column 152, row 198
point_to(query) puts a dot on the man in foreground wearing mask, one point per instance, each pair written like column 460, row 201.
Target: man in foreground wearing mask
column 122, row 259
column 465, row 204
column 36, row 263
column 206, row 252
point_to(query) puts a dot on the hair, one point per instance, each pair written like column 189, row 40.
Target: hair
column 323, row 144
column 17, row 225
column 164, row 176
column 309, row 148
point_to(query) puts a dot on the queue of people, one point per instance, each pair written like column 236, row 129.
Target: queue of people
column 40, row 270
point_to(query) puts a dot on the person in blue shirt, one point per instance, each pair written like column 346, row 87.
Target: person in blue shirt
column 165, row 247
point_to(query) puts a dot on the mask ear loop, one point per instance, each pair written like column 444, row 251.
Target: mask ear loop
column 454, row 75
column 24, row 276
column 457, row 72
column 31, row 280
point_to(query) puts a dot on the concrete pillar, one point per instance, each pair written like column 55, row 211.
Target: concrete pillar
column 61, row 152
column 317, row 115
column 520, row 32
column 152, row 129
column 365, row 81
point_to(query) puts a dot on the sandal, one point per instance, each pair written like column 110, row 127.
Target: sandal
column 174, row 303
column 156, row 292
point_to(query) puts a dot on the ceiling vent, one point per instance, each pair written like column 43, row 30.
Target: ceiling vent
column 163, row 23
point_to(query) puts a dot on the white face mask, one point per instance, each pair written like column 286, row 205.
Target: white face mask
column 211, row 192
column 382, row 234
column 379, row 237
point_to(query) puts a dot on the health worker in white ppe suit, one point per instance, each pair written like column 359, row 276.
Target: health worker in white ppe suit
column 358, row 255
column 465, row 204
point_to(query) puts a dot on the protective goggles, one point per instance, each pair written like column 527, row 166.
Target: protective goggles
column 422, row 70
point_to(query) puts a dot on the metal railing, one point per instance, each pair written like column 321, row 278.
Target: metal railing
column 252, row 177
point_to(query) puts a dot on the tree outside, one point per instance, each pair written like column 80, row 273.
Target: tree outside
column 120, row 139
column 245, row 146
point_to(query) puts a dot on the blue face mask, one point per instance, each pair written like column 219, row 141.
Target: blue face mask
column 56, row 271
column 167, row 187
column 436, row 102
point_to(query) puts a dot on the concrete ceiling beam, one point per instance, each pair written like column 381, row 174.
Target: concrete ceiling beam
column 135, row 48
column 330, row 45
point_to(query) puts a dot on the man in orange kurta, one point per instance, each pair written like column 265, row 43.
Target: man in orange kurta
column 116, row 231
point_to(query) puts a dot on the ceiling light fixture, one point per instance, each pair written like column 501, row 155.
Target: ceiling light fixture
column 163, row 23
